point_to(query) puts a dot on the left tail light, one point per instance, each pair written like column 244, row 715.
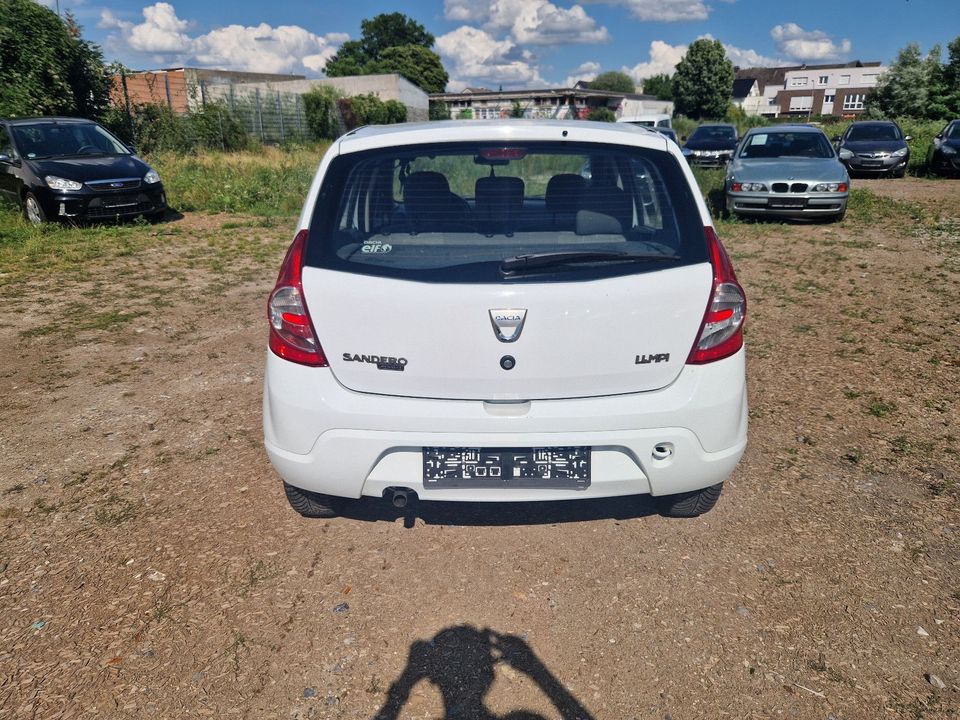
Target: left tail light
column 292, row 336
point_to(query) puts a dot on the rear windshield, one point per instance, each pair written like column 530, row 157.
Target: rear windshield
column 456, row 212
column 859, row 133
column 786, row 144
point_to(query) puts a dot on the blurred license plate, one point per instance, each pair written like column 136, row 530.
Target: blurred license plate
column 564, row 467
column 787, row 203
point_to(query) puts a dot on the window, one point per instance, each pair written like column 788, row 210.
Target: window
column 844, row 80
column 823, row 80
column 6, row 148
column 829, row 98
column 801, row 103
column 854, row 101
column 781, row 143
column 870, row 79
column 454, row 211
column 773, row 101
column 798, row 82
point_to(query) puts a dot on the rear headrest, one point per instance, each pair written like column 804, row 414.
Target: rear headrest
column 595, row 223
column 425, row 189
column 563, row 193
column 499, row 195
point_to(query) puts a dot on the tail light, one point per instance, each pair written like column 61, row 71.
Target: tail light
column 721, row 332
column 292, row 336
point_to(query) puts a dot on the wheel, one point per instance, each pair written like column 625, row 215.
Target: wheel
column 899, row 173
column 155, row 217
column 311, row 504
column 32, row 210
column 838, row 217
column 690, row 504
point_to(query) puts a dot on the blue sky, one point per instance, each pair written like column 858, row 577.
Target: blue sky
column 515, row 43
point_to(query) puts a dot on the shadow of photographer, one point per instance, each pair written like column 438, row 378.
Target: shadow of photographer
column 461, row 662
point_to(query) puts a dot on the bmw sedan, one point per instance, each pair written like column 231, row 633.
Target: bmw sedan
column 944, row 158
column 787, row 171
column 73, row 169
column 874, row 147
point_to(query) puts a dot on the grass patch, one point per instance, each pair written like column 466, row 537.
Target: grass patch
column 267, row 182
column 866, row 208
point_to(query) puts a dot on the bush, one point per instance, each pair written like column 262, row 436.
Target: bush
column 602, row 114
column 370, row 110
column 156, row 128
column 320, row 108
column 465, row 114
column 439, row 110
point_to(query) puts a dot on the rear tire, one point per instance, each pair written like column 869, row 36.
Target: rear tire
column 311, row 504
column 32, row 210
column 690, row 504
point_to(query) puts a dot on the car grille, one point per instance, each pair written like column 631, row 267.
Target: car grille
column 110, row 207
column 874, row 155
column 782, row 187
column 114, row 185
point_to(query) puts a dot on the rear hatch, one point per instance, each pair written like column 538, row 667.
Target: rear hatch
column 467, row 271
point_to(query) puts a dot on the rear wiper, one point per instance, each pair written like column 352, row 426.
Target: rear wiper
column 553, row 259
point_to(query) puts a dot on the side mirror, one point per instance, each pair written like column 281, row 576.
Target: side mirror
column 132, row 149
column 4, row 158
column 908, row 138
column 836, row 138
column 683, row 138
column 939, row 136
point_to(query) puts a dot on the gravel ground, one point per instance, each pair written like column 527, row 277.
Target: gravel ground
column 150, row 566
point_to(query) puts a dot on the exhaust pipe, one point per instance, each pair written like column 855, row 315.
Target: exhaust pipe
column 400, row 498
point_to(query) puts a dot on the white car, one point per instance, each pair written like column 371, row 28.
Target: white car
column 464, row 316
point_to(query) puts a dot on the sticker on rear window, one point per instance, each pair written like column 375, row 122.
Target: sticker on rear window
column 758, row 140
column 375, row 246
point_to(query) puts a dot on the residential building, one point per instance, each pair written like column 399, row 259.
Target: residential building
column 801, row 91
column 576, row 102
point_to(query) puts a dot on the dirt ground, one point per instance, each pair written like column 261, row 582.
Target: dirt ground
column 151, row 568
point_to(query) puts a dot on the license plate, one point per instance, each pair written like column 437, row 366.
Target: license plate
column 118, row 202
column 871, row 163
column 787, row 202
column 558, row 467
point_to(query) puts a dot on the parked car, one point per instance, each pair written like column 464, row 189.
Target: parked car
column 874, row 147
column 463, row 316
column 711, row 145
column 944, row 157
column 787, row 171
column 670, row 133
column 650, row 120
column 73, row 169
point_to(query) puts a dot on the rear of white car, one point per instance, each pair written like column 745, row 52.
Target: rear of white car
column 506, row 311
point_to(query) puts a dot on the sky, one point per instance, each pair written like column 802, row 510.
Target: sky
column 514, row 43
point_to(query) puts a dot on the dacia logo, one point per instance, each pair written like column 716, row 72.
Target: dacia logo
column 647, row 359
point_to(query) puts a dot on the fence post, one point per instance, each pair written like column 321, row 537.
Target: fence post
column 260, row 115
column 283, row 135
column 166, row 84
column 126, row 100
column 299, row 119
column 223, row 144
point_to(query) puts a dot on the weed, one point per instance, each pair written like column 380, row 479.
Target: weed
column 880, row 409
column 118, row 510
column 18, row 488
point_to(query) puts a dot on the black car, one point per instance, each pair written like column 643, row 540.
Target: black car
column 73, row 169
column 875, row 147
column 711, row 145
column 944, row 158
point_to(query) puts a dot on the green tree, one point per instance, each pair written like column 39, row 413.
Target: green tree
column 951, row 78
column 46, row 67
column 613, row 80
column 389, row 30
column 418, row 64
column 517, row 110
column 915, row 86
column 661, row 86
column 439, row 110
column 391, row 43
column 320, row 109
column 602, row 114
column 703, row 83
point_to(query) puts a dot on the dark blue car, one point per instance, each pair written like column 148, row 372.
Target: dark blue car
column 73, row 169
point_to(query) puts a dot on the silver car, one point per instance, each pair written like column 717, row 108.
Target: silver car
column 787, row 171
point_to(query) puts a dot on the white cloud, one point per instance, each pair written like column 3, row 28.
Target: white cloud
column 795, row 42
column 586, row 71
column 664, row 58
column 475, row 57
column 662, row 10
column 531, row 22
column 262, row 48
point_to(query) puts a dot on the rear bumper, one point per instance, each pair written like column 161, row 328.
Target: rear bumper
column 325, row 438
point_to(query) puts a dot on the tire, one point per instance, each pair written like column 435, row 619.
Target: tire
column 690, row 504
column 32, row 210
column 899, row 173
column 311, row 504
column 838, row 217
